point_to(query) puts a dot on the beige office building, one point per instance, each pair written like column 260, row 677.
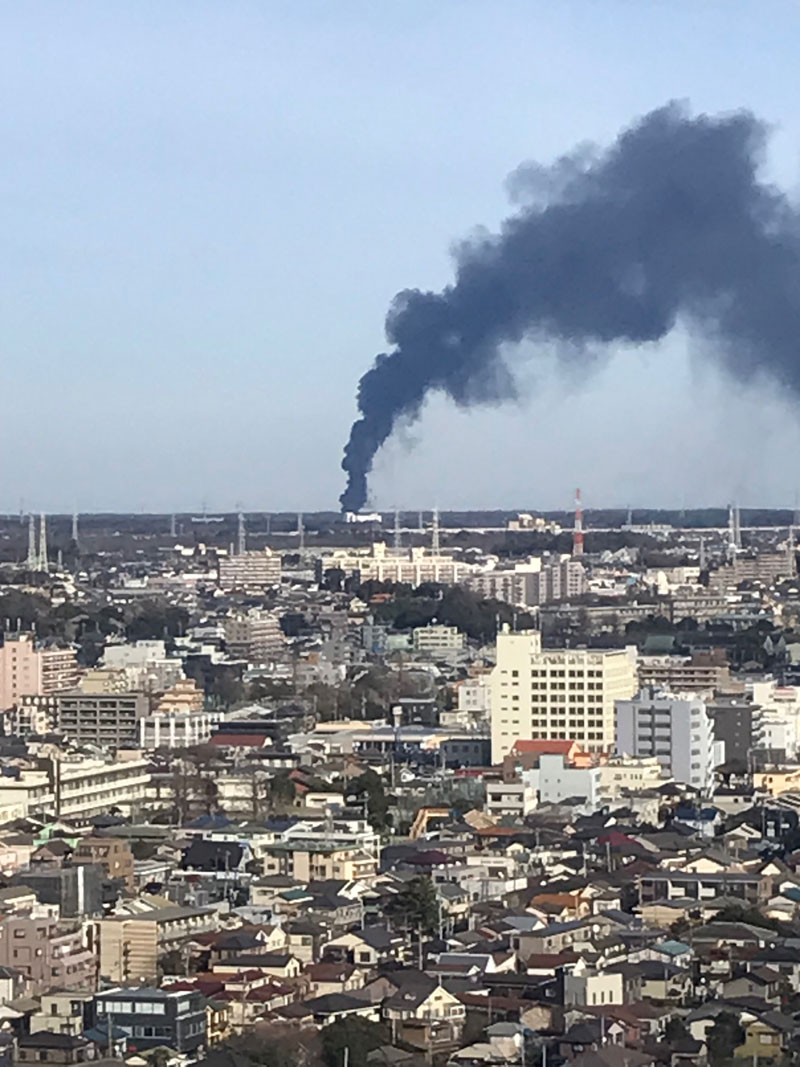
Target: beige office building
column 556, row 694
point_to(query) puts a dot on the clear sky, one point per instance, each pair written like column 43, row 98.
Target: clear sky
column 207, row 207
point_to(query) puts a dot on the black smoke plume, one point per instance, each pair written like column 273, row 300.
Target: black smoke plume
column 610, row 245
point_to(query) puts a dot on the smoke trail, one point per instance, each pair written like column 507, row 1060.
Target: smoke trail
column 608, row 246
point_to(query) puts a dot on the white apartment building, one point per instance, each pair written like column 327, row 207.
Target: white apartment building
column 623, row 773
column 30, row 793
column 437, row 640
column 556, row 694
column 555, row 781
column 147, row 667
column 412, row 566
column 514, row 799
column 250, row 570
column 532, row 583
column 780, row 714
column 678, row 730
column 87, row 787
column 177, row 729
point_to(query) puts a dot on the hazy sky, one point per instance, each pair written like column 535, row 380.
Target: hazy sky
column 207, row 207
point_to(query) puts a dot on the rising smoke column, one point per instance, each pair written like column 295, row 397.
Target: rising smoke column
column 611, row 245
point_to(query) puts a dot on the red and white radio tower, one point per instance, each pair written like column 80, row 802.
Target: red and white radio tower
column 577, row 532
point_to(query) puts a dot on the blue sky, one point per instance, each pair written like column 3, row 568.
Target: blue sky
column 207, row 207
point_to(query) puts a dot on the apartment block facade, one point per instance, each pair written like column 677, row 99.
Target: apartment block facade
column 109, row 720
column 27, row 669
column 556, row 694
column 250, row 570
column 678, row 730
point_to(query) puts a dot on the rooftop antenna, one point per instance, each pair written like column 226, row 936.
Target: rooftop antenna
column 577, row 532
column 397, row 540
column 32, row 560
column 43, row 562
column 241, row 539
column 435, row 533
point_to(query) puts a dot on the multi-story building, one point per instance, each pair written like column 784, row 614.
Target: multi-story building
column 131, row 945
column 51, row 954
column 678, row 730
column 437, row 640
column 533, row 583
column 32, row 715
column 411, row 566
column 250, row 570
column 153, row 1018
column 556, row 693
column 763, row 567
column 86, row 787
column 147, row 667
column 113, row 854
column 110, row 720
column 28, row 790
column 28, row 669
column 254, row 635
column 630, row 774
column 75, row 891
column 104, row 680
column 738, row 726
column 701, row 672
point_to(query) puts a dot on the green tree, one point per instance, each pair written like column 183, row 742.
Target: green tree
column 418, row 905
column 736, row 913
column 723, row 1037
column 371, row 785
column 358, row 1035
column 675, row 1030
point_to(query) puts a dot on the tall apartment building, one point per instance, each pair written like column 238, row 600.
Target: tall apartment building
column 110, row 720
column 250, row 570
column 531, row 584
column 556, row 693
column 254, row 635
column 678, row 730
column 27, row 669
